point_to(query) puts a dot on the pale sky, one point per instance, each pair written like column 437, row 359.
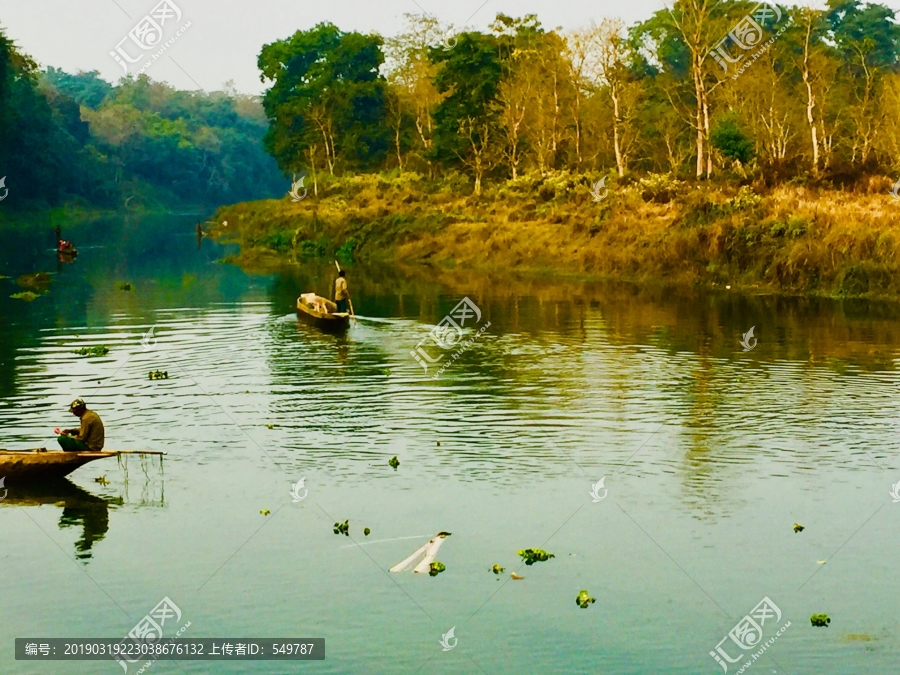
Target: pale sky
column 225, row 36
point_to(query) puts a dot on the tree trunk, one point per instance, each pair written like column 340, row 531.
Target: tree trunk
column 620, row 164
column 810, row 102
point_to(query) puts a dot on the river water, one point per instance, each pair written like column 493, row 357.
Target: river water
column 709, row 453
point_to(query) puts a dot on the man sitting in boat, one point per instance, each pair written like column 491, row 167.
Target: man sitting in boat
column 89, row 437
column 340, row 292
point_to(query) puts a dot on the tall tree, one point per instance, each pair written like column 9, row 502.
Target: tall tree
column 466, row 121
column 411, row 72
column 326, row 88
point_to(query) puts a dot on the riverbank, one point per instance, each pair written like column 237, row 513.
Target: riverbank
column 651, row 231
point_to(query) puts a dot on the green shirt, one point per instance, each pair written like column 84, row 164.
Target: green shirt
column 91, row 432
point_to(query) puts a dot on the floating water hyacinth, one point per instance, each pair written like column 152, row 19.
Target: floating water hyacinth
column 496, row 569
column 126, row 287
column 533, row 555
column 820, row 620
column 27, row 296
column 436, row 568
column 102, row 480
column 583, row 599
column 394, row 462
column 159, row 375
column 99, row 350
column 265, row 512
column 367, row 531
column 342, row 528
column 798, row 527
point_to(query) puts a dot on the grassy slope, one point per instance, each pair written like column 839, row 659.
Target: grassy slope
column 653, row 231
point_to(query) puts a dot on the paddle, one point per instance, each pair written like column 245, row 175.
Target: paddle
column 352, row 313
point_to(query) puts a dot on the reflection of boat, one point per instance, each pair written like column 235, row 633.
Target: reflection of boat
column 79, row 508
column 310, row 307
column 33, row 464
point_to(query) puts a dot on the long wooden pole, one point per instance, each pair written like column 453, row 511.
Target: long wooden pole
column 349, row 300
column 139, row 452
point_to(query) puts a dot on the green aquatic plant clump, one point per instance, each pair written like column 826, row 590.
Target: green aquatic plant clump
column 820, row 620
column 436, row 568
column 27, row 296
column 496, row 569
column 99, row 350
column 583, row 599
column 394, row 462
column 533, row 555
column 126, row 287
column 342, row 528
column 159, row 375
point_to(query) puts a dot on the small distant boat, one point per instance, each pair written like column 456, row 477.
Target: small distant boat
column 18, row 465
column 321, row 312
column 66, row 250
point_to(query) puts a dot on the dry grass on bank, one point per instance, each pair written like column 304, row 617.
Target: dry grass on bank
column 654, row 230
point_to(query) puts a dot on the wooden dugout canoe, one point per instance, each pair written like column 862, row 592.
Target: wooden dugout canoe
column 308, row 308
column 19, row 465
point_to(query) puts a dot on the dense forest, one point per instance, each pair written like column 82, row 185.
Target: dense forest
column 739, row 92
column 707, row 88
column 78, row 139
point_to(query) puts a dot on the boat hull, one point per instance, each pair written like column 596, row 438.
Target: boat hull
column 30, row 465
column 324, row 320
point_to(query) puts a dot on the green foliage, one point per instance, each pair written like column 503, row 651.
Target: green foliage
column 313, row 249
column 729, row 138
column 345, row 250
column 470, row 75
column 746, row 198
column 661, row 188
column 326, row 94
column 393, row 462
column 436, row 568
column 342, row 528
column 280, row 241
column 533, row 555
column 70, row 137
column 866, row 31
column 583, row 599
column 86, row 89
column 854, row 281
column 496, row 569
column 820, row 620
column 27, row 296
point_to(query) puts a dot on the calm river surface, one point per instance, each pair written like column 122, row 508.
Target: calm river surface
column 709, row 455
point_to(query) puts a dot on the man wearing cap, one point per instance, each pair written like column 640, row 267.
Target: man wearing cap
column 87, row 438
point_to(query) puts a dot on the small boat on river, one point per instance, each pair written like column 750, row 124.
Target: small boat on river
column 321, row 312
column 66, row 248
column 40, row 464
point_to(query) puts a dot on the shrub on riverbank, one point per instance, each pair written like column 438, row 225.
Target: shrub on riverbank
column 649, row 230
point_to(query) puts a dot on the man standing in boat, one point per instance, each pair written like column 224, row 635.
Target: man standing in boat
column 89, row 437
column 341, row 294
